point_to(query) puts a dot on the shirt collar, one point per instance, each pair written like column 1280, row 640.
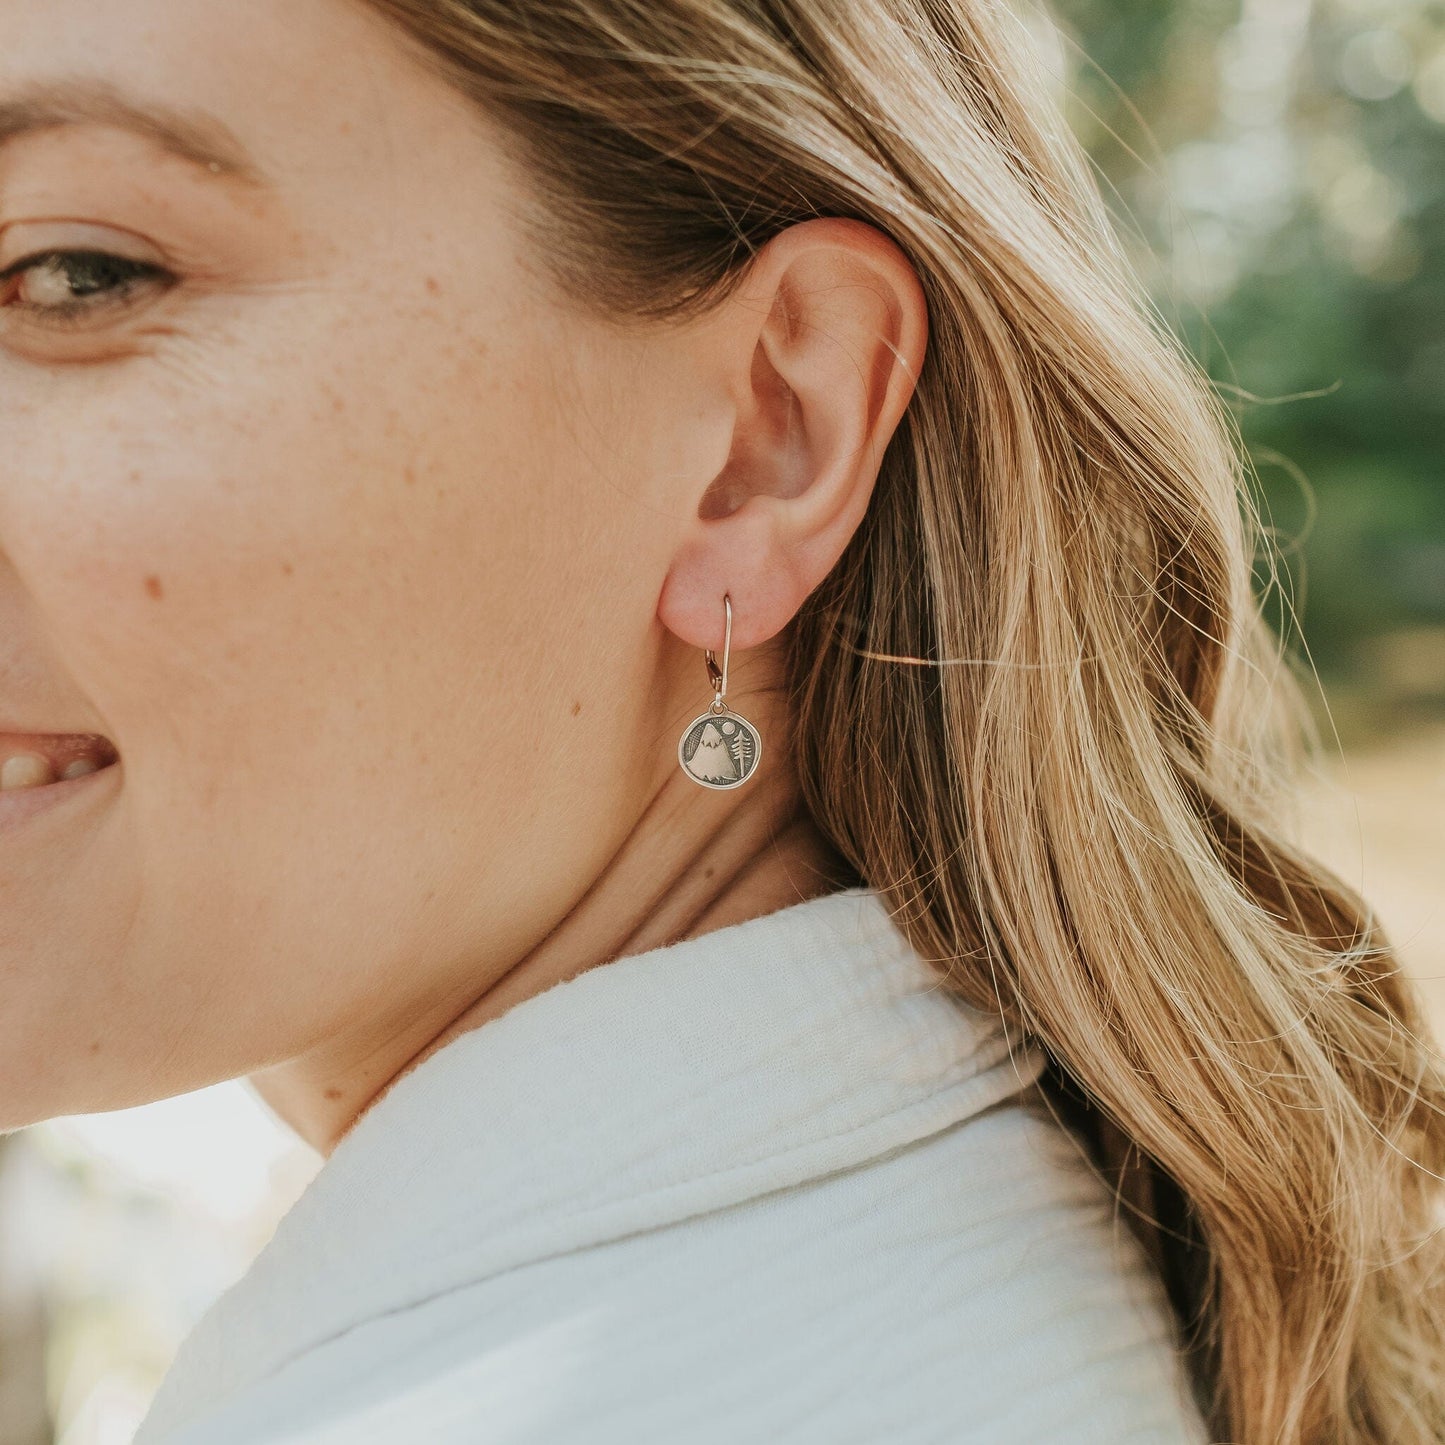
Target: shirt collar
column 660, row 1085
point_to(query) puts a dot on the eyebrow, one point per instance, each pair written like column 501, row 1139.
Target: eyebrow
column 195, row 136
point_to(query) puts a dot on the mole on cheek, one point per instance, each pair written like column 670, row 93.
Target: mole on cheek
column 154, row 588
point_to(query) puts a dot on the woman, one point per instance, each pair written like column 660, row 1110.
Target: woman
column 625, row 607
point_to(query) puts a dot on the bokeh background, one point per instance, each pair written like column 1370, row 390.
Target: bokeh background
column 1277, row 169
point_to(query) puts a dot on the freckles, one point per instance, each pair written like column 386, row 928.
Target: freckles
column 153, row 587
column 331, row 401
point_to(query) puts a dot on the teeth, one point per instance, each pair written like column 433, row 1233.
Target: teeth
column 25, row 770
column 37, row 770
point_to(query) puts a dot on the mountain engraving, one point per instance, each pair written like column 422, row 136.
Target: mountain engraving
column 720, row 750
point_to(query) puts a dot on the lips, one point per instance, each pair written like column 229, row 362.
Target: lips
column 33, row 760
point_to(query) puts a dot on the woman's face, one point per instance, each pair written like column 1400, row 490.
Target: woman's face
column 310, row 523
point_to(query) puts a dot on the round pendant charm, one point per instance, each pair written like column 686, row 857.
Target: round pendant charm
column 719, row 749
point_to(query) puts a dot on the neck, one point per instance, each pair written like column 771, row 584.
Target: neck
column 695, row 862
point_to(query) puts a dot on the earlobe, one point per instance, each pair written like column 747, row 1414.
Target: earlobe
column 822, row 349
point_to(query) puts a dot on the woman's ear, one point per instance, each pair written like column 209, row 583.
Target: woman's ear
column 821, row 348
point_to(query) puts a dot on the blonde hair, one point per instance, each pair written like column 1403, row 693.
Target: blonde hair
column 1076, row 811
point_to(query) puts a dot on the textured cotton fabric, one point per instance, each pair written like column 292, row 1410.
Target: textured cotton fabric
column 769, row 1184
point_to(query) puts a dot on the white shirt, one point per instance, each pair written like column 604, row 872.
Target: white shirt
column 769, row 1184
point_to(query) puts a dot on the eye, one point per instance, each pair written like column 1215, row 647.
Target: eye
column 68, row 288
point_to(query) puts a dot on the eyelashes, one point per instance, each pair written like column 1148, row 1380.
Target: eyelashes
column 97, row 284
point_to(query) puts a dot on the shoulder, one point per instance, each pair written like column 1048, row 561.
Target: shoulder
column 975, row 1285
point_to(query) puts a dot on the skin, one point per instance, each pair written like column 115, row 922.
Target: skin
column 387, row 572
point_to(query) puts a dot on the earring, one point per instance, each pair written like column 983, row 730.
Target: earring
column 719, row 749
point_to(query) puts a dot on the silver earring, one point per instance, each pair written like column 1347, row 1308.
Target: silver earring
column 719, row 749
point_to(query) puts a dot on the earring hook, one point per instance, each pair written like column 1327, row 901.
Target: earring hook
column 719, row 679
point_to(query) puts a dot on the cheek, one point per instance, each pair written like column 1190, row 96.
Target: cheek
column 324, row 590
column 176, row 524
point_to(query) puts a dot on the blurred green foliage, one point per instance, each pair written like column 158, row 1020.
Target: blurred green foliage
column 1277, row 168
